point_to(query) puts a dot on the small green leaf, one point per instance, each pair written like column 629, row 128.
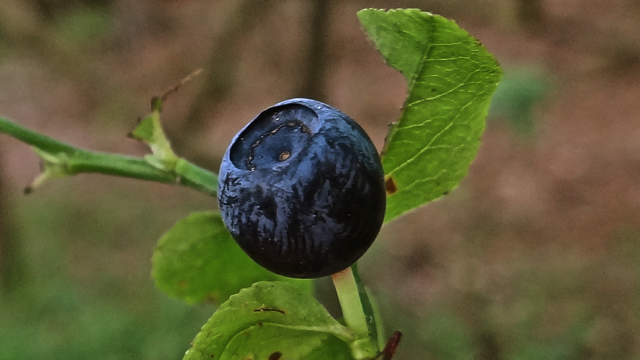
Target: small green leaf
column 271, row 320
column 450, row 77
column 198, row 260
column 54, row 165
column 149, row 131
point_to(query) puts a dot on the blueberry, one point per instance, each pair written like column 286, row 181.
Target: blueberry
column 301, row 189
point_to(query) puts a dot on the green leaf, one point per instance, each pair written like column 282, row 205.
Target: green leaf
column 54, row 165
column 271, row 320
column 268, row 341
column 450, row 77
column 198, row 260
column 149, row 131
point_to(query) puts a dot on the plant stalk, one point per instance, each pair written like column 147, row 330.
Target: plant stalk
column 357, row 311
column 73, row 160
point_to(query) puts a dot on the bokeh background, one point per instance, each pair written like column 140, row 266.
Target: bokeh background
column 536, row 255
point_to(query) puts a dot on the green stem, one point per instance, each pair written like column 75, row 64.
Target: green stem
column 33, row 138
column 367, row 307
column 357, row 311
column 74, row 161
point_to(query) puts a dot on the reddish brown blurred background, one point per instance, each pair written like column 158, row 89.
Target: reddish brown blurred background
column 535, row 255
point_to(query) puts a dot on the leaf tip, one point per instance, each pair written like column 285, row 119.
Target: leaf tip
column 156, row 104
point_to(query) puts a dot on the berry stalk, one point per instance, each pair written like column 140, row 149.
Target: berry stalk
column 357, row 311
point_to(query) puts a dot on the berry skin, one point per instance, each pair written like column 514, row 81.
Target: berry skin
column 301, row 189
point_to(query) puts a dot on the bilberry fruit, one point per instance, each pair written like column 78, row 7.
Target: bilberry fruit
column 301, row 189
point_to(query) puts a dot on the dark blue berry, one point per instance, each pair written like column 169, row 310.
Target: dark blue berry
column 301, row 189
